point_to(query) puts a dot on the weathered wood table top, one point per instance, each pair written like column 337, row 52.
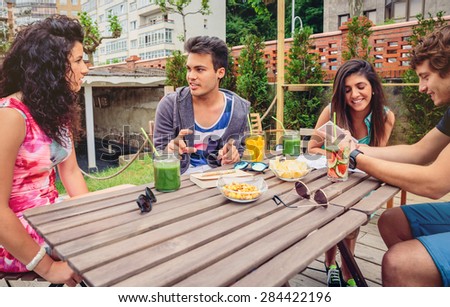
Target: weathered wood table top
column 197, row 237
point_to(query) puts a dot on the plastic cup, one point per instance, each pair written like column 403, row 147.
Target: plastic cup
column 254, row 147
column 291, row 143
column 337, row 160
column 167, row 172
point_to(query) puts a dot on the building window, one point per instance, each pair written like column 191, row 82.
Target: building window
column 403, row 9
column 415, row 8
column 343, row 19
column 63, row 2
column 133, row 43
column 74, row 2
column 372, row 15
column 133, row 25
column 155, row 37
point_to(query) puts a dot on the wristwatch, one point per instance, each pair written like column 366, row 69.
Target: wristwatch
column 353, row 156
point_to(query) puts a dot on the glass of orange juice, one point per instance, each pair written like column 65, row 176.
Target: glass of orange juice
column 254, row 147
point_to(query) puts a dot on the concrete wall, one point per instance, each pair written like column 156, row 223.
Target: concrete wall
column 127, row 107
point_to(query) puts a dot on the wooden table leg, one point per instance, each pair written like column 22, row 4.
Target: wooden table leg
column 351, row 264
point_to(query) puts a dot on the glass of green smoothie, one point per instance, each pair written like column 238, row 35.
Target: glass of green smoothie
column 167, row 172
column 291, row 143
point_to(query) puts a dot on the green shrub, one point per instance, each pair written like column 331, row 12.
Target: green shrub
column 357, row 40
column 252, row 79
column 176, row 69
column 302, row 109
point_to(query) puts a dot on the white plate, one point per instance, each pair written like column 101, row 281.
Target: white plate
column 242, row 201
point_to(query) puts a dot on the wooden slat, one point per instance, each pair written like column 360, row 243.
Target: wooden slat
column 194, row 248
column 376, row 199
column 296, row 258
column 351, row 197
column 245, row 260
column 338, row 188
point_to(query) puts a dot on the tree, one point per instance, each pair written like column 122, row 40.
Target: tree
column 244, row 20
column 230, row 79
column 179, row 7
column 310, row 12
column 302, row 109
column 92, row 37
column 176, row 69
column 357, row 40
column 252, row 75
column 421, row 112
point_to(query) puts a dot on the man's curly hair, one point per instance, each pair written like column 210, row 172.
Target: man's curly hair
column 37, row 65
column 436, row 48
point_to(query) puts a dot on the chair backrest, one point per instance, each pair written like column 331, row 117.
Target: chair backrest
column 305, row 136
column 255, row 120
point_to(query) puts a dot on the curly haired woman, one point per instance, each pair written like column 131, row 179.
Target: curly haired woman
column 39, row 116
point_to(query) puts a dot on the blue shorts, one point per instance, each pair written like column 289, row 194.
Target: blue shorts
column 430, row 224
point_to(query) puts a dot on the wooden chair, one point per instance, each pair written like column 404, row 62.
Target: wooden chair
column 255, row 120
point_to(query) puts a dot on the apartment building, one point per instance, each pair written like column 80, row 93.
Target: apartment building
column 147, row 31
column 336, row 12
column 70, row 8
column 28, row 11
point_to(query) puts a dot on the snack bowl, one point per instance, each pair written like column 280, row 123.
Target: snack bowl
column 242, row 189
column 289, row 170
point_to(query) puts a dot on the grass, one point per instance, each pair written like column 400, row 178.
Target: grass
column 139, row 172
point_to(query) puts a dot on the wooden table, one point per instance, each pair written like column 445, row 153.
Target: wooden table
column 196, row 237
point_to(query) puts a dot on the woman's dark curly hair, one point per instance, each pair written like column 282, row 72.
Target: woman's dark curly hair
column 37, row 65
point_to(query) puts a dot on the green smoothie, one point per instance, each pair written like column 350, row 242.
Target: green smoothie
column 291, row 145
column 167, row 175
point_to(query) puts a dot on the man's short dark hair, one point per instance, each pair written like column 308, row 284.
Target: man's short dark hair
column 212, row 45
column 436, row 48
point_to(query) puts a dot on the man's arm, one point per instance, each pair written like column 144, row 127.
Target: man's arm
column 164, row 124
column 423, row 152
column 421, row 168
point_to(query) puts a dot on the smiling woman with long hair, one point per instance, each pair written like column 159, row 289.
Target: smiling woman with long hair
column 360, row 107
column 39, row 116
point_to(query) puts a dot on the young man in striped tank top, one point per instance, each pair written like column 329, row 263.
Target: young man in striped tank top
column 201, row 122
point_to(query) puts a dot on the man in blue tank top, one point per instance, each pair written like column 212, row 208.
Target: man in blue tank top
column 418, row 236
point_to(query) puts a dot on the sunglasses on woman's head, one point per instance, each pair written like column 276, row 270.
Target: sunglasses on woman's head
column 145, row 201
column 253, row 166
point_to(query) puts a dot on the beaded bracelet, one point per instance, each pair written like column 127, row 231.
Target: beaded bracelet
column 33, row 263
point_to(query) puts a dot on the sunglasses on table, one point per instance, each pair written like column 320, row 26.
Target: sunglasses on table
column 303, row 191
column 252, row 166
column 145, row 201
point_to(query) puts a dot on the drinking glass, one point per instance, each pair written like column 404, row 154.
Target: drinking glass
column 338, row 153
column 291, row 143
column 254, row 147
column 167, row 172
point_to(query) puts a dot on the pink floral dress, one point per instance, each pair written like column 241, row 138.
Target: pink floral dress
column 34, row 176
